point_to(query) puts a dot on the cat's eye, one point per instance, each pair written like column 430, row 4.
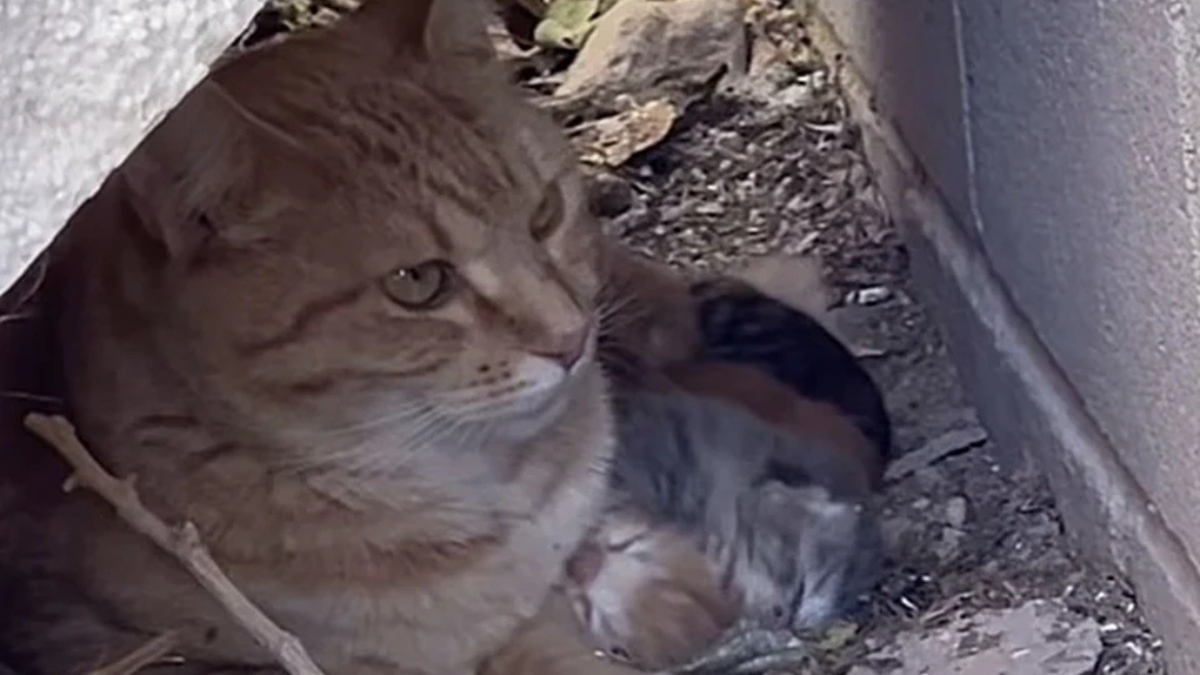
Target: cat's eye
column 549, row 214
column 421, row 287
column 619, row 653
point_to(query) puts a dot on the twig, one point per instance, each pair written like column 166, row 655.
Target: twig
column 139, row 658
column 950, row 443
column 182, row 542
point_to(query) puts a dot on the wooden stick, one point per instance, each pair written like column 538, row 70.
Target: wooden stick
column 182, row 542
column 139, row 658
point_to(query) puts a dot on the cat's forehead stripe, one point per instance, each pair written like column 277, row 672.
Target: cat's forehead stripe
column 460, row 231
column 485, row 280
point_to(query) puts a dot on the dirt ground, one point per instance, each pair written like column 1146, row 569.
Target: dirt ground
column 772, row 163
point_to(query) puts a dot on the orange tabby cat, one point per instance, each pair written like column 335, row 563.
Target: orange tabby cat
column 339, row 310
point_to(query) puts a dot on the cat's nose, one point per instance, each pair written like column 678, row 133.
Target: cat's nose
column 565, row 349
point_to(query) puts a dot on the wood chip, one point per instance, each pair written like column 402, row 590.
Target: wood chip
column 949, row 443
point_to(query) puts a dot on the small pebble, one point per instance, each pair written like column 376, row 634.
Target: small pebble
column 872, row 295
column 609, row 195
column 956, row 512
column 948, row 545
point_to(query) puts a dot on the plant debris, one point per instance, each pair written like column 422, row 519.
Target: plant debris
column 611, row 141
column 957, row 440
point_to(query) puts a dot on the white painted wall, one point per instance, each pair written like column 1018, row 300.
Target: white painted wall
column 81, row 81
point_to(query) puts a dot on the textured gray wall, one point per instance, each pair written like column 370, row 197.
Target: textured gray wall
column 1083, row 120
column 80, row 83
column 1062, row 137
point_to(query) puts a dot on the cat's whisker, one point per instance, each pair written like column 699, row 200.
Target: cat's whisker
column 617, row 361
column 350, row 456
column 400, row 414
column 431, row 434
column 17, row 316
column 622, row 316
column 614, row 306
column 432, row 431
column 27, row 396
column 509, row 516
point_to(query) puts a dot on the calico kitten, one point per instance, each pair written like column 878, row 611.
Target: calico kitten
column 850, row 461
column 769, row 316
column 803, row 526
column 339, row 311
column 740, row 324
column 710, row 469
column 701, row 471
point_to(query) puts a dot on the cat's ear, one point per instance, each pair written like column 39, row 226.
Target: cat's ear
column 434, row 30
column 182, row 179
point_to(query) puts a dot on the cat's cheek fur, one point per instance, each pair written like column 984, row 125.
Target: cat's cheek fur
column 526, row 394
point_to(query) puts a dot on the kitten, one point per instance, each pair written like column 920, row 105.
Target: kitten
column 851, row 463
column 646, row 594
column 708, row 468
column 794, row 553
column 770, row 316
column 756, row 340
column 338, row 310
column 740, row 324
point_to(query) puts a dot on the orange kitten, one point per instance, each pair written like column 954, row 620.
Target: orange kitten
column 338, row 310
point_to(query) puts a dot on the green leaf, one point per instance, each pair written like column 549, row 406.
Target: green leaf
column 567, row 24
column 838, row 636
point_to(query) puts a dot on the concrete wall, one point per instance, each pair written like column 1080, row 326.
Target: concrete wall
column 1044, row 155
column 81, row 81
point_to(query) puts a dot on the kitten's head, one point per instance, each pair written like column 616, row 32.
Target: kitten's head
column 805, row 558
column 366, row 227
column 646, row 594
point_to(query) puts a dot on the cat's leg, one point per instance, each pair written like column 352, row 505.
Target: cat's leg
column 552, row 643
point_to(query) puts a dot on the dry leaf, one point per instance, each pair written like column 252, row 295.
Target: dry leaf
column 611, row 141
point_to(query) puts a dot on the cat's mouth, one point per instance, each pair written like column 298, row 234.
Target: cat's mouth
column 547, row 400
column 546, row 390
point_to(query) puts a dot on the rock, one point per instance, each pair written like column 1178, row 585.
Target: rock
column 872, row 295
column 898, row 532
column 795, row 96
column 658, row 48
column 609, row 195
column 948, row 544
column 956, row 512
column 1038, row 638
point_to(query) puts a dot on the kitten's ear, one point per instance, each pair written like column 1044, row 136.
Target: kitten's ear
column 187, row 167
column 433, row 30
